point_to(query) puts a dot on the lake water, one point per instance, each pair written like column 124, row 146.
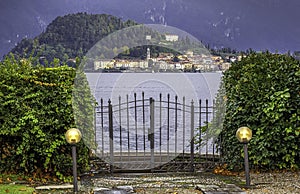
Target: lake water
column 193, row 86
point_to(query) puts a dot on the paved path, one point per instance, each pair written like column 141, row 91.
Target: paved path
column 207, row 183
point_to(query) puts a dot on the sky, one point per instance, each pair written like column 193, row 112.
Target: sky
column 240, row 24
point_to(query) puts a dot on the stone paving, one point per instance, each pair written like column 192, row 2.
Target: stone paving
column 177, row 183
column 206, row 183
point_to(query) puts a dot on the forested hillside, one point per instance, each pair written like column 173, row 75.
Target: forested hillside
column 70, row 36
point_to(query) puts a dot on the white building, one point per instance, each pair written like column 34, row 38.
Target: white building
column 171, row 37
column 103, row 64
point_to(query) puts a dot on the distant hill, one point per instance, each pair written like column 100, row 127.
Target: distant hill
column 70, row 36
column 74, row 35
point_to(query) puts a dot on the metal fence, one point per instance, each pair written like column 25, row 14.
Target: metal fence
column 155, row 135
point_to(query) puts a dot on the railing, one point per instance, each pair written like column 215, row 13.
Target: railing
column 145, row 134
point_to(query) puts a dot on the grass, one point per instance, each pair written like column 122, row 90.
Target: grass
column 14, row 184
column 12, row 188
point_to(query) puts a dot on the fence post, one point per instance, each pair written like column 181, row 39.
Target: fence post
column 151, row 132
column 111, row 135
column 192, row 136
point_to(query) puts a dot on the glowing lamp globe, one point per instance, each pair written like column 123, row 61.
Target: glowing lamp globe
column 73, row 136
column 244, row 134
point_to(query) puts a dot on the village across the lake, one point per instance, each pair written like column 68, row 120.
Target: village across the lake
column 169, row 62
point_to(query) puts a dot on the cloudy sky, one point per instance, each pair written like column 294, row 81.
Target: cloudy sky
column 239, row 24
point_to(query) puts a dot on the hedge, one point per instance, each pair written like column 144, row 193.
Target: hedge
column 263, row 93
column 36, row 111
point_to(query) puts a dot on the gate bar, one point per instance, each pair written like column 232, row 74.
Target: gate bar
column 144, row 130
column 135, row 121
column 183, row 127
column 192, row 136
column 168, row 132
column 207, row 129
column 120, row 123
column 160, row 126
column 176, row 109
column 200, row 127
column 128, row 132
column 151, row 134
column 111, row 136
column 102, row 127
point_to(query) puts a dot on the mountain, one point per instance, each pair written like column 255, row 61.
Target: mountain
column 239, row 24
column 70, row 36
column 74, row 35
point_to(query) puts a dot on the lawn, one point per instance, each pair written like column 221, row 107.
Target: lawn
column 14, row 184
column 13, row 188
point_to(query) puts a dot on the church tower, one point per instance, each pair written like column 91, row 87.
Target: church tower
column 148, row 54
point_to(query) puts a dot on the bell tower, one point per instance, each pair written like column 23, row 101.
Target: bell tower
column 148, row 54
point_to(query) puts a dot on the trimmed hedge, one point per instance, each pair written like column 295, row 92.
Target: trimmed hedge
column 263, row 93
column 36, row 111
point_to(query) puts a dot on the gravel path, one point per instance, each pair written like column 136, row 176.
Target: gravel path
column 277, row 183
column 178, row 183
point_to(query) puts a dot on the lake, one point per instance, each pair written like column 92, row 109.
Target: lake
column 193, row 86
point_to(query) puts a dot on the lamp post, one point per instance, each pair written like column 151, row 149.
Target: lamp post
column 244, row 135
column 73, row 136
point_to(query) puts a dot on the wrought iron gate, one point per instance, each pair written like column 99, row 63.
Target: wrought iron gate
column 148, row 134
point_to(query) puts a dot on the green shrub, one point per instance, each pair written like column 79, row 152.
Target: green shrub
column 36, row 111
column 263, row 93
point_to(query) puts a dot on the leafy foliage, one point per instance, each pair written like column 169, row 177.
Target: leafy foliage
column 262, row 92
column 36, row 110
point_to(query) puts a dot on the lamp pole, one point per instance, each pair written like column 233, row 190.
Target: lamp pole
column 74, row 157
column 244, row 135
column 247, row 173
column 73, row 136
